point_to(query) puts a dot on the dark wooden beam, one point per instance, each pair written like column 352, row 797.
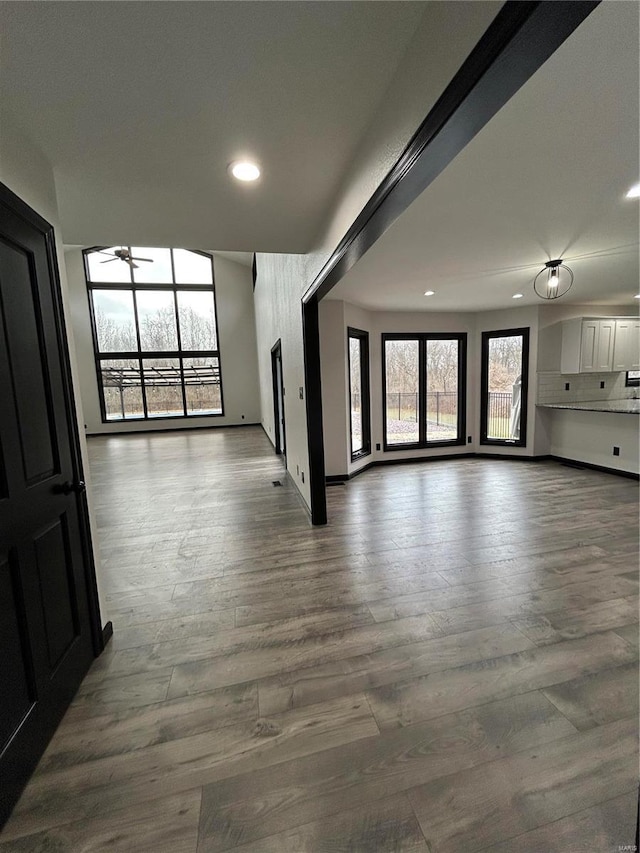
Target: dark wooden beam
column 313, row 399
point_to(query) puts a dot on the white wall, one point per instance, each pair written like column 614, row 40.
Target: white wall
column 282, row 280
column 335, row 386
column 25, row 171
column 591, row 436
column 238, row 354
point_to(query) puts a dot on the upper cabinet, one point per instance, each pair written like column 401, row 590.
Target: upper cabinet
column 600, row 345
column 626, row 349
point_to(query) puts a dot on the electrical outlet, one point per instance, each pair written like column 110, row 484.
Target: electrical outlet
column 468, row 439
column 616, row 451
column 301, row 392
column 378, row 446
column 602, row 384
column 567, row 386
column 302, row 475
column 243, row 417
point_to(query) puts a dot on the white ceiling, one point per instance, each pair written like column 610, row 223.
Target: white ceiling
column 140, row 107
column 544, row 179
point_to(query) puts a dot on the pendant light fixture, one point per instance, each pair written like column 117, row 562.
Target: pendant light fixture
column 553, row 281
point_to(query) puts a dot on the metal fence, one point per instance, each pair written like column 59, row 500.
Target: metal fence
column 402, row 407
column 499, row 415
column 442, row 408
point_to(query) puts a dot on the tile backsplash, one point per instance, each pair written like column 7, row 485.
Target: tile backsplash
column 583, row 387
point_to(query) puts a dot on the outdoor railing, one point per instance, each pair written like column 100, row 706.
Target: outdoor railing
column 442, row 408
column 499, row 415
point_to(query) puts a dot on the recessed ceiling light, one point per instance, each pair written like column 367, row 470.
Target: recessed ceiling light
column 244, row 170
column 634, row 192
column 429, row 292
column 517, row 295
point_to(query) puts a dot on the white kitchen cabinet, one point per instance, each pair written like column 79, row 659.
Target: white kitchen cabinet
column 604, row 348
column 587, row 345
column 622, row 346
column 589, row 337
column 634, row 347
column 626, row 350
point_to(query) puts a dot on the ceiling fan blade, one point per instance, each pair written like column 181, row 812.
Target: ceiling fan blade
column 148, row 260
column 109, row 261
column 132, row 265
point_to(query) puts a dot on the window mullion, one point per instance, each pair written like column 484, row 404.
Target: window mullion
column 137, row 322
column 462, row 390
column 178, row 333
column 365, row 403
column 143, row 387
column 179, row 337
column 422, row 390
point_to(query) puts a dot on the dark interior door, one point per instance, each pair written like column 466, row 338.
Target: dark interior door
column 46, row 620
column 278, row 399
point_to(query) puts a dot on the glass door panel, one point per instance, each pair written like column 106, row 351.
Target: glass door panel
column 402, row 388
column 504, row 386
column 442, row 389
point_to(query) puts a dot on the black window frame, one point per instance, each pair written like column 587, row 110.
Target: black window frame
column 365, row 392
column 422, row 338
column 633, row 381
column 141, row 355
column 484, row 387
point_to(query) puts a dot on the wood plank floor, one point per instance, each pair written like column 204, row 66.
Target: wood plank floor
column 449, row 666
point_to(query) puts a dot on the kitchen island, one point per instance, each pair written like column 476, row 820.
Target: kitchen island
column 603, row 433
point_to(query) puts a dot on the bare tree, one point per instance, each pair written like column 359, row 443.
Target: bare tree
column 505, row 362
column 198, row 331
column 442, row 365
column 158, row 329
column 114, row 336
column 401, row 366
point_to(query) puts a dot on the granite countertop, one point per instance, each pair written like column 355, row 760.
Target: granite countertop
column 627, row 406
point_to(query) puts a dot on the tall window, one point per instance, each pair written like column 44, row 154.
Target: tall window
column 424, row 389
column 155, row 332
column 360, row 419
column 504, row 383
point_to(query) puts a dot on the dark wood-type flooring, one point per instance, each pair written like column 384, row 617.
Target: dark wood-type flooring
column 449, row 666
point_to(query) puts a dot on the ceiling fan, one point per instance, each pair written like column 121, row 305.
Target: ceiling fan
column 124, row 255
